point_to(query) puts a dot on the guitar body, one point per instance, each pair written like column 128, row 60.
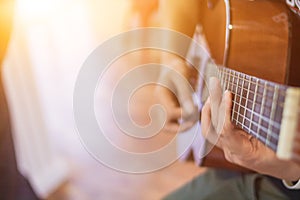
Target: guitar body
column 257, row 41
column 254, row 37
column 255, row 45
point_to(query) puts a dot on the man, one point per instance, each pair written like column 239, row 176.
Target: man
column 238, row 147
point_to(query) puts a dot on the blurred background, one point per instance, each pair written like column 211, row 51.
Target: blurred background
column 41, row 153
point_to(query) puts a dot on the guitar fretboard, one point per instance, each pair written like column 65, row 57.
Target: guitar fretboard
column 257, row 105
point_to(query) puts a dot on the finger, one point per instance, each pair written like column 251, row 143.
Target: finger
column 215, row 92
column 207, row 128
column 232, row 137
column 193, row 76
column 228, row 105
column 186, row 126
column 171, row 127
column 175, row 127
column 296, row 150
column 174, row 113
column 224, row 112
column 296, row 158
column 206, row 118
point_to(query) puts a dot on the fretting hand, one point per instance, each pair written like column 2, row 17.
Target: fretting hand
column 238, row 146
column 296, row 146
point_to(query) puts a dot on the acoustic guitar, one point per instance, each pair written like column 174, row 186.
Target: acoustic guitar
column 258, row 42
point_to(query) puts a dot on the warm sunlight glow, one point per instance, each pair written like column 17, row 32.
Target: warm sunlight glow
column 37, row 10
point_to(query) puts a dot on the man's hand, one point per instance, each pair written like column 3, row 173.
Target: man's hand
column 296, row 146
column 181, row 110
column 239, row 147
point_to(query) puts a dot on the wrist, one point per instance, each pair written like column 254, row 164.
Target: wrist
column 281, row 169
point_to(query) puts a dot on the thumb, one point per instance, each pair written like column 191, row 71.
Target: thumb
column 215, row 93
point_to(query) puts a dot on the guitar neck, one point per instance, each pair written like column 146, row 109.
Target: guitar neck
column 258, row 105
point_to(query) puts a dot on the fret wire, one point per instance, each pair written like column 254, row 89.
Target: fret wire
column 276, row 124
column 265, row 129
column 262, row 139
column 232, row 84
column 251, row 101
column 272, row 115
column 224, row 79
column 227, row 70
column 264, row 118
column 234, row 104
column 253, row 104
column 230, row 76
column 281, row 87
column 280, row 104
column 261, row 110
column 282, row 91
column 252, row 109
column 228, row 82
column 246, row 103
column 233, row 74
column 240, row 103
column 222, row 74
column 259, row 95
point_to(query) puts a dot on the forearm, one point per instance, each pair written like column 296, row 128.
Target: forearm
column 216, row 159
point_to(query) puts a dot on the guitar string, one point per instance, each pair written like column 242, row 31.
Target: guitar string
column 248, row 129
column 270, row 89
column 246, row 103
column 253, row 111
column 246, row 108
column 272, row 115
column 281, row 89
column 267, row 130
column 241, row 89
column 281, row 104
column 261, row 109
column 261, row 138
column 227, row 81
column 273, row 125
column 233, row 73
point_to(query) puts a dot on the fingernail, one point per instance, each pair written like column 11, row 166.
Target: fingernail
column 208, row 100
column 212, row 83
column 188, row 107
column 212, row 80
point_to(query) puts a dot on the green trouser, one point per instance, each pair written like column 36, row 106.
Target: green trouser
column 222, row 184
